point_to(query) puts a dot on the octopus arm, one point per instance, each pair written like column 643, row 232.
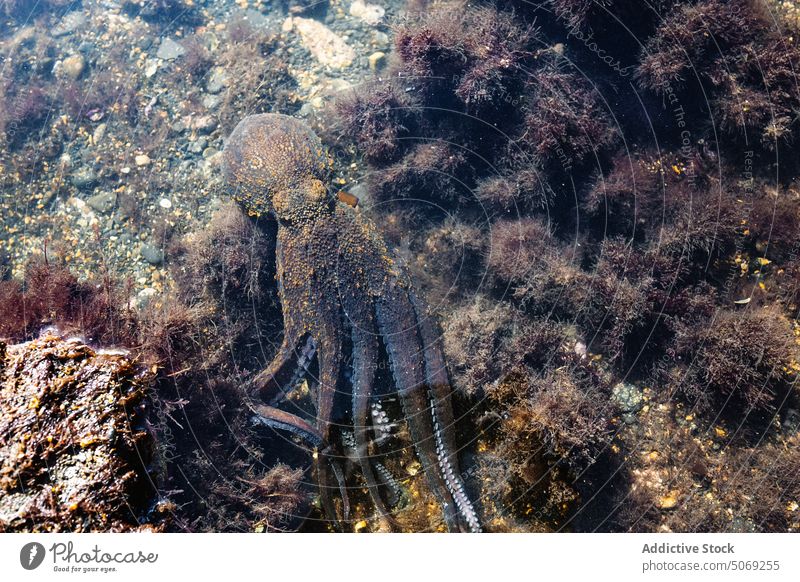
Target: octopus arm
column 280, row 419
column 365, row 354
column 398, row 326
column 277, row 378
column 442, row 410
column 329, row 358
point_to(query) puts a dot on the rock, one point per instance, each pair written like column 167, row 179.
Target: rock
column 669, row 501
column 203, row 124
column 71, row 22
column 198, row 145
column 380, row 39
column 325, row 46
column 372, row 14
column 151, row 68
column 73, row 66
column 152, row 254
column 169, row 50
column 144, row 296
column 217, row 80
column 103, row 202
column 76, row 451
column 211, row 101
column 99, row 133
column 210, row 152
column 83, row 178
column 377, row 60
column 628, row 397
column 142, row 160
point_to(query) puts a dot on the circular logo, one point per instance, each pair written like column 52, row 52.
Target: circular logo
column 31, row 555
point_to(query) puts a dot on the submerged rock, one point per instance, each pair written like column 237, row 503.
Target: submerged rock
column 74, row 440
column 372, row 14
column 169, row 50
column 326, row 46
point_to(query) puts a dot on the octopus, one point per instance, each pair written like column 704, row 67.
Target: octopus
column 347, row 304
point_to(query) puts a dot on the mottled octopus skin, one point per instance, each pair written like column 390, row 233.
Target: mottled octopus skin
column 339, row 285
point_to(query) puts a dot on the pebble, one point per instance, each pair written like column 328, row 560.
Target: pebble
column 83, row 178
column 377, row 60
column 152, row 254
column 144, row 296
column 203, row 124
column 73, row 66
column 151, row 68
column 98, row 133
column 372, row 14
column 325, row 46
column 669, row 501
column 628, row 397
column 103, row 202
column 165, row 203
column 71, row 22
column 198, row 145
column 217, row 80
column 142, row 160
column 211, row 101
column 169, row 50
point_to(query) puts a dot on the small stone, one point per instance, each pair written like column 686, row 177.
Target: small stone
column 372, row 14
column 144, row 296
column 669, row 501
column 380, row 39
column 103, row 202
column 204, row 124
column 152, row 254
column 377, row 60
column 83, row 178
column 628, row 397
column 209, row 152
column 151, row 68
column 71, row 22
column 287, row 25
column 325, row 46
column 99, row 132
column 217, row 80
column 211, row 101
column 165, row 203
column 73, row 66
column 198, row 145
column 169, row 50
column 142, row 160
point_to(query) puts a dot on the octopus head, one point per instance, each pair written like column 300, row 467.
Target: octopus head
column 276, row 164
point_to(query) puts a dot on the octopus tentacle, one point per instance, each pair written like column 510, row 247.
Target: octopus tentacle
column 272, row 383
column 276, row 418
column 438, row 385
column 365, row 354
column 329, row 357
column 397, row 319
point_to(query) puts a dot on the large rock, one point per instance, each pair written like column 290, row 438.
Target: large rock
column 76, row 453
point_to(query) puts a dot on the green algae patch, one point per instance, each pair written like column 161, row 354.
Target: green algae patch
column 74, row 441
